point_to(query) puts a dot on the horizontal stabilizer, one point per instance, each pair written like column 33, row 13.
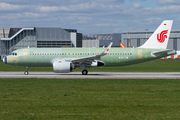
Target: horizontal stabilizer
column 157, row 54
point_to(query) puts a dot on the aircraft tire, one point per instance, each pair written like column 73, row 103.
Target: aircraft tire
column 26, row 73
column 84, row 72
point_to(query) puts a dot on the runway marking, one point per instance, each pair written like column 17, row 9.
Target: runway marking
column 94, row 75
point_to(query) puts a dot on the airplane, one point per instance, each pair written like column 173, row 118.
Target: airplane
column 64, row 60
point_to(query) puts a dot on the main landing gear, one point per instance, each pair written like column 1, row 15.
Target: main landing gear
column 26, row 72
column 84, row 72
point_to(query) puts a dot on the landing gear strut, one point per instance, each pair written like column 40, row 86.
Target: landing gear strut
column 84, row 72
column 26, row 72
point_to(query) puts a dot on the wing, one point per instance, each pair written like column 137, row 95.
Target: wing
column 88, row 61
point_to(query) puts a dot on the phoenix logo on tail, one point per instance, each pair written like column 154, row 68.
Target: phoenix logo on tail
column 161, row 36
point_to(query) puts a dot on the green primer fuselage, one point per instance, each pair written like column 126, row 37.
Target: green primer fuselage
column 116, row 57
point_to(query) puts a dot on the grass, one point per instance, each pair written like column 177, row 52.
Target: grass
column 159, row 65
column 89, row 99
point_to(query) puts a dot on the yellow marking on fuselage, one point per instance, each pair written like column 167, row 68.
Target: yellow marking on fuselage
column 139, row 54
column 13, row 59
column 25, row 54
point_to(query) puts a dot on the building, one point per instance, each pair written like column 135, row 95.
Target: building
column 17, row 38
column 129, row 39
column 136, row 39
column 100, row 40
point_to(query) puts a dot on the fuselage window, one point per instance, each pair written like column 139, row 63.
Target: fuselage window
column 110, row 53
column 72, row 53
column 37, row 53
column 47, row 53
column 69, row 54
column 130, row 53
column 115, row 53
column 57, row 53
column 85, row 53
column 62, row 53
column 42, row 53
column 52, row 53
column 80, row 53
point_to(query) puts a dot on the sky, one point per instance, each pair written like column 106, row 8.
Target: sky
column 90, row 16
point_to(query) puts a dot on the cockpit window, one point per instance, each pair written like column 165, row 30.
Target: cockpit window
column 14, row 54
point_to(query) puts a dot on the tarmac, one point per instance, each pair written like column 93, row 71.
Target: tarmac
column 94, row 75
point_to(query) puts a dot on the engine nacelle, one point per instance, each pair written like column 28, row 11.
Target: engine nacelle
column 61, row 66
column 97, row 63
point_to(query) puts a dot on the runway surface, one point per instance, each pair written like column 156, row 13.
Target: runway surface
column 94, row 75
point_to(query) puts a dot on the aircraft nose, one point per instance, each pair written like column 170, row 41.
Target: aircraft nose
column 5, row 59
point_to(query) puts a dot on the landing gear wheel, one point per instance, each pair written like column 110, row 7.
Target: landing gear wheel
column 26, row 72
column 84, row 72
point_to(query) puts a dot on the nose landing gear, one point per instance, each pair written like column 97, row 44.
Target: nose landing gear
column 26, row 72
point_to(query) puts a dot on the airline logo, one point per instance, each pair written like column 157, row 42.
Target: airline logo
column 107, row 50
column 162, row 36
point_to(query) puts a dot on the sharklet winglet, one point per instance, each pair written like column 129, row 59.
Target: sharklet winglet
column 106, row 50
